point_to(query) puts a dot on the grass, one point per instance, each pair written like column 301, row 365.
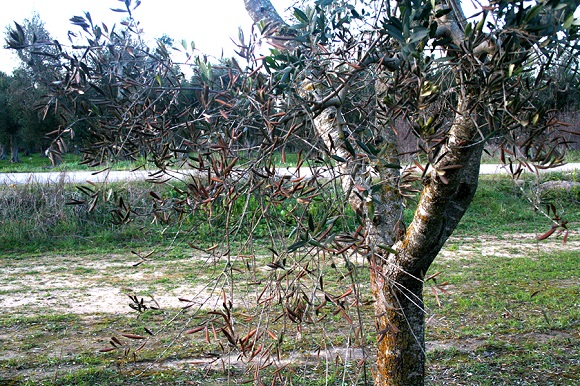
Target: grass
column 512, row 320
column 500, row 320
column 519, row 296
column 37, row 218
column 37, row 162
column 508, row 313
column 504, row 207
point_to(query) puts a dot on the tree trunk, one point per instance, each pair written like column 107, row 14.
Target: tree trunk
column 2, row 152
column 14, row 149
column 400, row 323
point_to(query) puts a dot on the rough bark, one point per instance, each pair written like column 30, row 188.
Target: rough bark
column 400, row 329
column 447, row 193
column 454, row 21
column 401, row 354
column 397, row 278
column 328, row 125
column 329, row 120
column 262, row 11
column 398, row 306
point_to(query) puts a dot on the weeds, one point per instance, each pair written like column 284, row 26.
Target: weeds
column 36, row 217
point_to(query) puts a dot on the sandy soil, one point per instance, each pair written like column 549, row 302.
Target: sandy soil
column 89, row 284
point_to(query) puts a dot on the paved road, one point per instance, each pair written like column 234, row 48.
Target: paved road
column 111, row 176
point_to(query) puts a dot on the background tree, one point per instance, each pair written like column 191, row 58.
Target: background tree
column 564, row 91
column 40, row 66
column 9, row 120
column 35, row 120
column 24, row 123
column 39, row 53
column 336, row 82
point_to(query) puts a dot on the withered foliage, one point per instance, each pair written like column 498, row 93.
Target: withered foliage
column 219, row 140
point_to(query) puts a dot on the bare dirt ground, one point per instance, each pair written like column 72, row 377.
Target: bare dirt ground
column 85, row 285
column 96, row 290
column 73, row 284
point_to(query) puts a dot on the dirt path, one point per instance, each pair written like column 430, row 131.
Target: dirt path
column 88, row 284
column 112, row 176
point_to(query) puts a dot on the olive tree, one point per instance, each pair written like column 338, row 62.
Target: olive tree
column 335, row 85
column 476, row 88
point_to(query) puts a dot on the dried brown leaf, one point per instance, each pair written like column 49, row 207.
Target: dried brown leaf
column 194, row 330
column 133, row 336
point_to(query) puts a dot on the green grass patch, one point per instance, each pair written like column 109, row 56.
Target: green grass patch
column 35, row 163
column 500, row 206
column 520, row 294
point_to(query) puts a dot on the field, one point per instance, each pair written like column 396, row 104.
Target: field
column 504, row 308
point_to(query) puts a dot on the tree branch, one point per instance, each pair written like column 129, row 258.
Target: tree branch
column 262, row 11
column 328, row 120
column 448, row 192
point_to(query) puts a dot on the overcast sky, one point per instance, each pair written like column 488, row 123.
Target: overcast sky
column 209, row 23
